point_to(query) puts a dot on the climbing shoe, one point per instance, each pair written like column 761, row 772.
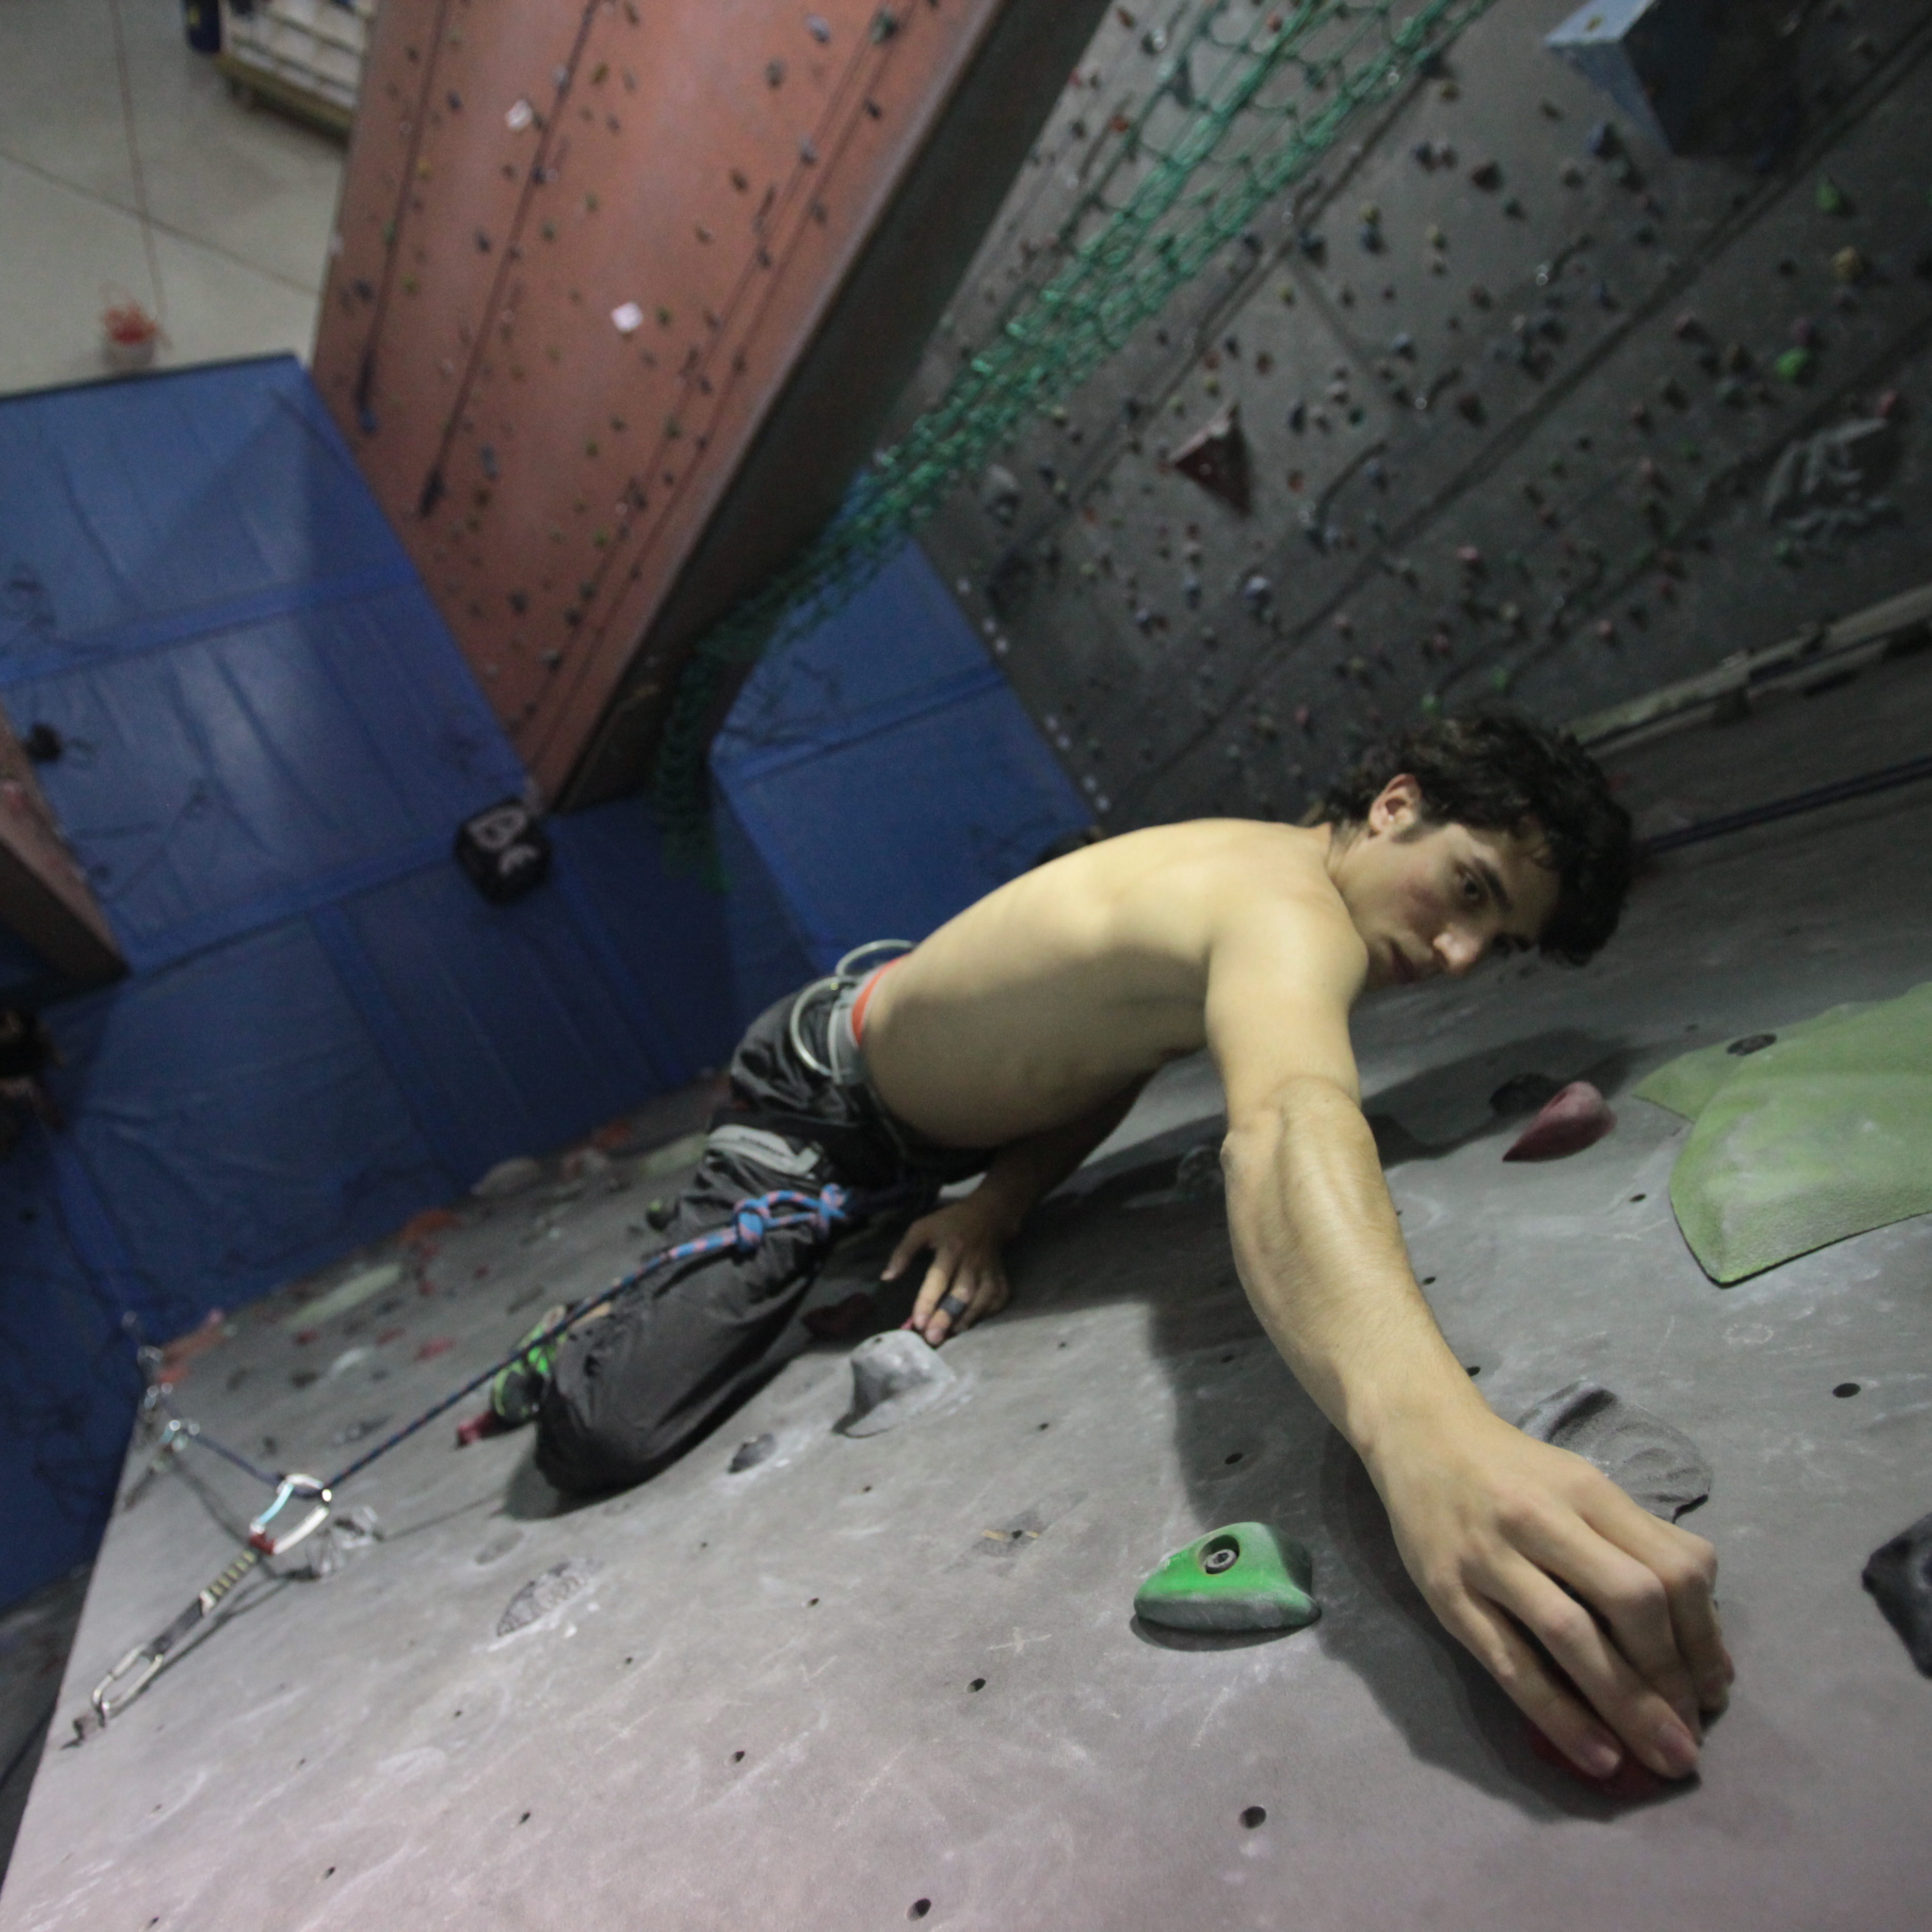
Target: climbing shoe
column 517, row 1390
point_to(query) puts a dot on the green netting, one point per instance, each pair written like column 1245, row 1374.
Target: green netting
column 1245, row 97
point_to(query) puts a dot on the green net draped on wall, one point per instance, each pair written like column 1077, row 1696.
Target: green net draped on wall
column 1245, row 96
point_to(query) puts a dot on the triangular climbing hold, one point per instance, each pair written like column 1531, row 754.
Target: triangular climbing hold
column 1241, row 1578
column 1216, row 458
column 1575, row 1118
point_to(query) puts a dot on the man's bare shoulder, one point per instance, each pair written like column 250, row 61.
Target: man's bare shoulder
column 1232, row 871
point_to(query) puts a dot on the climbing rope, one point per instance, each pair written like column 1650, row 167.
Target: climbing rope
column 752, row 1221
column 1244, row 98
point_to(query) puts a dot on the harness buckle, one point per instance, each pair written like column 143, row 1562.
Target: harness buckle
column 291, row 1489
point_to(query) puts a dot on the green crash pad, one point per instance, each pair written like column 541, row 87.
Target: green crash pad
column 1825, row 1132
column 1244, row 1577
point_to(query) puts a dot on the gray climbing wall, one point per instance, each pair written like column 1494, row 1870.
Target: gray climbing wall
column 1513, row 382
column 807, row 1692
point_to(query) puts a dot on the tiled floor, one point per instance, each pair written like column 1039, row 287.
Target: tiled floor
column 241, row 198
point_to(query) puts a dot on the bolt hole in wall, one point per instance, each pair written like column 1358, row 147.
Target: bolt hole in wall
column 1847, row 1389
column 918, row 1908
column 1255, row 1814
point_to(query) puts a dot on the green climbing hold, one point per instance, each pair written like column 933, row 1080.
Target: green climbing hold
column 1795, row 364
column 1241, row 1578
column 1830, row 195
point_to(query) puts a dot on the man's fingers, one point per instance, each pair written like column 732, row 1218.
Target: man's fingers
column 1634, row 1600
column 976, row 1291
column 1501, row 1648
column 1686, row 1568
column 932, row 1290
column 911, row 1243
column 1637, row 1710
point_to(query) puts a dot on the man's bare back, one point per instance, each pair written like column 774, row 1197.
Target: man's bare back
column 1073, row 983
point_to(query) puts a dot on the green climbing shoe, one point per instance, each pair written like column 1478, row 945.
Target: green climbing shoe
column 517, row 1390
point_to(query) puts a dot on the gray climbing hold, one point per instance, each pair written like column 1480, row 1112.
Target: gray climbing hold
column 1655, row 1463
column 542, row 1595
column 1899, row 1574
column 752, row 1453
column 895, row 1376
column 999, row 494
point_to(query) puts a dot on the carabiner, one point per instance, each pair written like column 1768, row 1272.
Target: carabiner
column 289, row 1488
column 104, row 1707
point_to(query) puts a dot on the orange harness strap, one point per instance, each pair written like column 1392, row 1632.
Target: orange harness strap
column 866, row 993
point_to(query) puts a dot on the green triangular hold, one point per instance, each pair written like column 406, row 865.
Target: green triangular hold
column 1244, row 1577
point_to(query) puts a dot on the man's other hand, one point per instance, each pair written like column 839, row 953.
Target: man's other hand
column 967, row 1280
column 1530, row 1556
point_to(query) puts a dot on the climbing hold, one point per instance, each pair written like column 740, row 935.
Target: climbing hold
column 750, row 1454
column 1794, row 365
column 1831, row 196
column 1215, row 457
column 999, row 494
column 1631, row 1780
column 1485, row 175
column 1257, row 593
column 542, row 1595
column 1751, row 1042
column 1654, row 1462
column 840, row 1321
column 1574, row 1118
column 895, row 1376
column 1899, row 1574
column 1850, row 266
column 1241, row 1578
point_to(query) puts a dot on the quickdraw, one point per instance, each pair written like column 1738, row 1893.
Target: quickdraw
column 832, row 1208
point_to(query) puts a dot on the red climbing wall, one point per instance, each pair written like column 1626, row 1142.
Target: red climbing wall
column 621, row 294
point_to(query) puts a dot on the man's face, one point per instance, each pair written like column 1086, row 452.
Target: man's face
column 1429, row 900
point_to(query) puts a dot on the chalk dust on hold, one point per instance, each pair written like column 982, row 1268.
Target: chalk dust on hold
column 542, row 1595
column 1654, row 1462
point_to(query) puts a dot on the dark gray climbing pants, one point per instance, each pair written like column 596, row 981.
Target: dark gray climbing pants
column 630, row 1392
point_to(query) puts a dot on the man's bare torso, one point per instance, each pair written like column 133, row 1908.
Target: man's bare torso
column 1070, row 985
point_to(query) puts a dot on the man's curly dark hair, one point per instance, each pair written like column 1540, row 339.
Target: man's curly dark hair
column 1499, row 771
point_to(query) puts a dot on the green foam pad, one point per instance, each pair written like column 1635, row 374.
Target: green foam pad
column 1825, row 1133
column 1241, row 1578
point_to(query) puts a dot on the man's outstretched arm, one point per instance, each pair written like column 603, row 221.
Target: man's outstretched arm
column 967, row 1280
column 1528, row 1555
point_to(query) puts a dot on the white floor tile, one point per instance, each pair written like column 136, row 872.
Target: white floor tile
column 242, row 200
column 83, row 252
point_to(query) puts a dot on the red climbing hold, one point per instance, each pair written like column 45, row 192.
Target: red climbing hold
column 840, row 1321
column 437, row 1345
column 1576, row 1118
column 1216, row 458
column 1630, row 1781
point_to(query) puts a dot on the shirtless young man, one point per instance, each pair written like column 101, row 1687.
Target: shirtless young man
column 1027, row 1024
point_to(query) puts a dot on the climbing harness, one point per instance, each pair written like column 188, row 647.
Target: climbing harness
column 272, row 1533
column 843, row 978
